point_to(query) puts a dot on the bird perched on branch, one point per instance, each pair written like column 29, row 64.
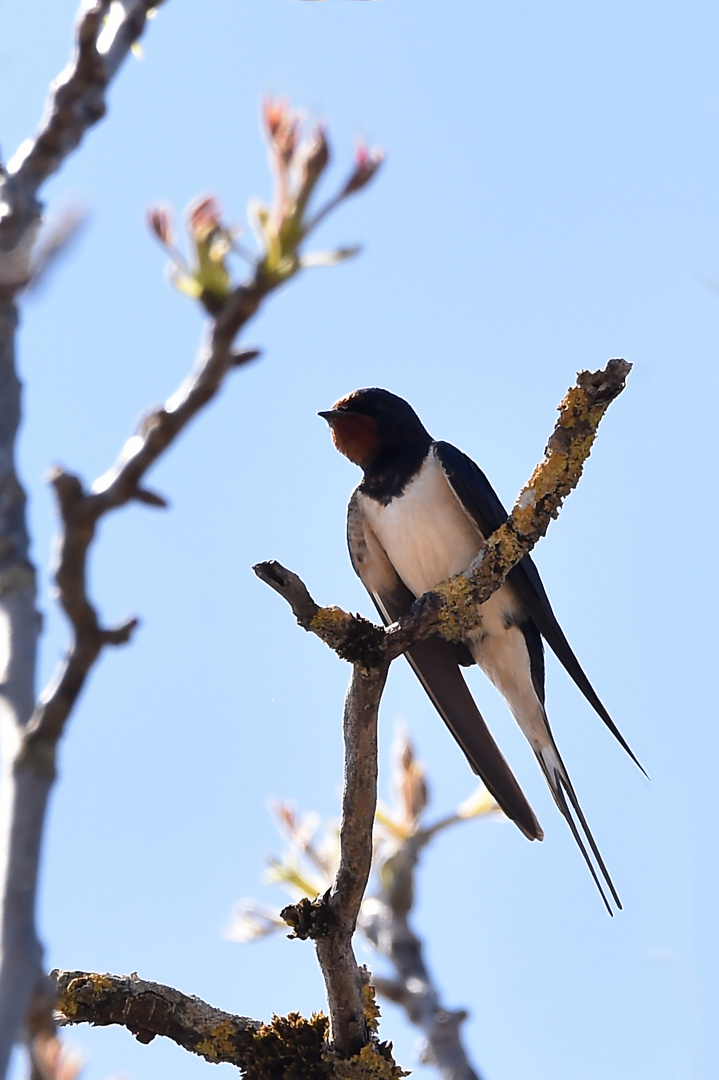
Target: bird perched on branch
column 420, row 515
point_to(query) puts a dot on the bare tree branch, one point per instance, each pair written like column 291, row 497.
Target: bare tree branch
column 400, row 837
column 32, row 756
column 80, row 512
column 343, row 981
column 331, row 920
column 76, row 103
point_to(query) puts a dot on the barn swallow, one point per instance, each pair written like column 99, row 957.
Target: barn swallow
column 420, row 515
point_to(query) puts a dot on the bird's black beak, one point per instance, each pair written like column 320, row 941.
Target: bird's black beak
column 330, row 415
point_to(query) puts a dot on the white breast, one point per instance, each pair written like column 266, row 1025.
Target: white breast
column 425, row 532
column 428, row 537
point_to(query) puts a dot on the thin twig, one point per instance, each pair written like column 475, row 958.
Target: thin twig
column 77, row 97
column 385, row 921
column 385, row 916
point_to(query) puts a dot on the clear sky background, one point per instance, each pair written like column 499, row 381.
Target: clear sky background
column 550, row 199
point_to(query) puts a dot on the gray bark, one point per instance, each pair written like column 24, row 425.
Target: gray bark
column 76, row 103
column 23, row 790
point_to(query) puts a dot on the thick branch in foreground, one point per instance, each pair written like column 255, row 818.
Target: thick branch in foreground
column 451, row 607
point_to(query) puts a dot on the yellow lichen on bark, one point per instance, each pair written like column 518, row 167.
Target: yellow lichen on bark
column 374, row 1062
column 328, row 621
column 559, row 473
column 458, row 607
column 504, row 545
column 371, row 1008
column 287, row 1046
column 67, row 1002
column 220, row 1044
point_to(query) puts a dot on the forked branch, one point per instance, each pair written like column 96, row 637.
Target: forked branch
column 451, row 609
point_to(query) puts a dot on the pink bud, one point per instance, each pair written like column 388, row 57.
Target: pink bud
column 273, row 114
column 367, row 162
column 203, row 216
column 159, row 219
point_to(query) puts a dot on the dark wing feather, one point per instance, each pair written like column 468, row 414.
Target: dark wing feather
column 484, row 506
column 435, row 662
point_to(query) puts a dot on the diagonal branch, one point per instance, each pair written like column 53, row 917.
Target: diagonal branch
column 385, row 917
column 81, row 510
column 77, row 99
column 451, row 607
column 386, row 923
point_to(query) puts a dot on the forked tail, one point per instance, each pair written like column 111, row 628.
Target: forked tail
column 564, row 795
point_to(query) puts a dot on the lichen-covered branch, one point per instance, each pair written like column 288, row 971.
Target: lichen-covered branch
column 451, row 607
column 148, row 1009
column 541, row 498
column 289, row 1046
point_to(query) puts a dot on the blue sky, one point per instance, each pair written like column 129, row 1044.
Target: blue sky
column 549, row 200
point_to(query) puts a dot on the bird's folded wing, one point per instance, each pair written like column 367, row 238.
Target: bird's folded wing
column 484, row 506
column 435, row 662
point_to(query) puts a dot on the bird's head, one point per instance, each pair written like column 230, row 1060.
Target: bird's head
column 372, row 424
